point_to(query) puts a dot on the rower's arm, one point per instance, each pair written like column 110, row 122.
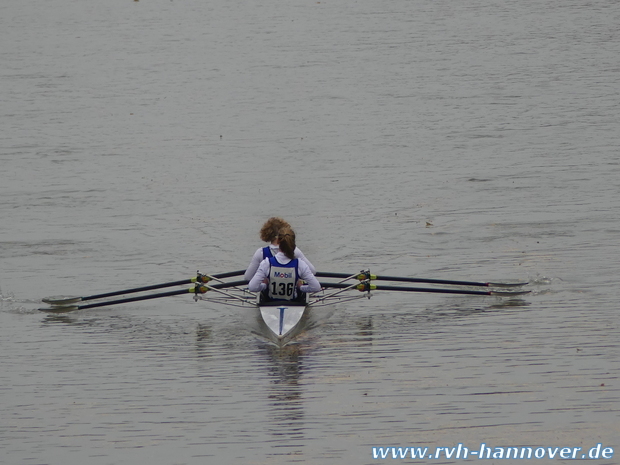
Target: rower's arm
column 257, row 282
column 300, row 255
column 312, row 284
column 253, row 266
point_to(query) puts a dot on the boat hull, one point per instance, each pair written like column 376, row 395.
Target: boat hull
column 283, row 319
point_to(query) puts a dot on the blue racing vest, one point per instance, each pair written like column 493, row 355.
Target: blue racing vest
column 283, row 279
column 267, row 252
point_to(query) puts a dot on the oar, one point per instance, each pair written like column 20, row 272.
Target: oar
column 363, row 287
column 200, row 279
column 364, row 275
column 193, row 290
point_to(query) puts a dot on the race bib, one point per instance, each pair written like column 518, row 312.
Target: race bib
column 282, row 282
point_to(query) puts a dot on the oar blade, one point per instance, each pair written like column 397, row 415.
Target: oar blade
column 508, row 284
column 62, row 300
column 508, row 293
column 60, row 309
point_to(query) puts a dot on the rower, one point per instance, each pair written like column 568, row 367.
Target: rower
column 283, row 276
column 269, row 233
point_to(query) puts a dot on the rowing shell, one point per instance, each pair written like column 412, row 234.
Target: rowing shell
column 282, row 318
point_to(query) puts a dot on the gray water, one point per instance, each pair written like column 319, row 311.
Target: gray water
column 142, row 141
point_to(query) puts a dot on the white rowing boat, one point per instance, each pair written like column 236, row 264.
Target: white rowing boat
column 283, row 318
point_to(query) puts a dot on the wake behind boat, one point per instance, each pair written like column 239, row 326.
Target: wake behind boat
column 281, row 317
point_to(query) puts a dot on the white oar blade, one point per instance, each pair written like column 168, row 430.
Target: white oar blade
column 62, row 300
column 509, row 293
column 60, row 309
column 508, row 284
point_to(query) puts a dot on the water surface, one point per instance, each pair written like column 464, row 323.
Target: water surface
column 143, row 141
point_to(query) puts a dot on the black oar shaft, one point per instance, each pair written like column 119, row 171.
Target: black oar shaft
column 138, row 289
column 229, row 284
column 160, row 286
column 327, row 274
column 229, row 274
column 201, row 290
column 367, row 286
column 135, row 299
column 437, row 291
column 405, row 289
column 365, row 275
column 431, row 281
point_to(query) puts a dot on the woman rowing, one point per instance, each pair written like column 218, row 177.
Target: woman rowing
column 269, row 233
column 283, row 276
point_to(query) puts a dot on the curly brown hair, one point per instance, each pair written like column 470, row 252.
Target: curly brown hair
column 271, row 228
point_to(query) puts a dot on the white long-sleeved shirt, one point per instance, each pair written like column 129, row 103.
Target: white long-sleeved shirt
column 304, row 272
column 258, row 258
